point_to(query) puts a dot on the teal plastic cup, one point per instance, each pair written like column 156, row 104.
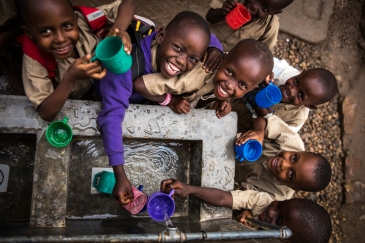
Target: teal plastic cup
column 59, row 133
column 268, row 96
column 104, row 182
column 110, row 52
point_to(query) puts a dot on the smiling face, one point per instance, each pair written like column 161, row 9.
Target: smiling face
column 179, row 51
column 295, row 169
column 260, row 9
column 237, row 75
column 303, row 89
column 53, row 27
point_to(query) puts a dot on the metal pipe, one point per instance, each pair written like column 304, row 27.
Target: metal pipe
column 171, row 234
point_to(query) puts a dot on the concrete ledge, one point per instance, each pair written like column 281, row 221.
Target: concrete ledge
column 141, row 121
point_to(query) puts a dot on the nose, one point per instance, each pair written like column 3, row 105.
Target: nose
column 285, row 164
column 59, row 37
column 273, row 214
column 292, row 89
column 182, row 60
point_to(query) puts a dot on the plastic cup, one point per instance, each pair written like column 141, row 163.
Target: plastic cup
column 59, row 133
column 110, row 52
column 161, row 206
column 140, row 188
column 104, row 182
column 238, row 16
column 268, row 96
column 250, row 151
column 139, row 201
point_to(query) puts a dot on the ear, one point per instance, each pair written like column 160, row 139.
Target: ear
column 269, row 78
column 27, row 32
column 313, row 107
column 160, row 35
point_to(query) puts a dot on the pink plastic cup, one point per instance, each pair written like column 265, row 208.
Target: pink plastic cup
column 138, row 203
column 238, row 17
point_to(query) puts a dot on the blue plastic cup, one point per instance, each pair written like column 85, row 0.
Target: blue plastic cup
column 140, row 188
column 268, row 96
column 110, row 52
column 161, row 206
column 250, row 151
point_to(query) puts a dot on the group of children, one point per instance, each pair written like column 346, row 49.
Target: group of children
column 186, row 64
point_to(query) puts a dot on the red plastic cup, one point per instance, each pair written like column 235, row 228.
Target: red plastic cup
column 138, row 203
column 238, row 17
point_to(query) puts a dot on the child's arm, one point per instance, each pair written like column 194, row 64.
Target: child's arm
column 222, row 108
column 80, row 69
column 122, row 191
column 257, row 132
column 214, row 55
column 126, row 11
column 211, row 196
column 215, row 15
column 243, row 215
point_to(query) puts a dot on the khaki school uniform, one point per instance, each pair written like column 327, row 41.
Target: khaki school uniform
column 257, row 180
column 7, row 12
column 193, row 85
column 38, row 86
column 264, row 30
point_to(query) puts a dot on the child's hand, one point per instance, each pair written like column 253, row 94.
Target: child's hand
column 179, row 105
column 243, row 215
column 212, row 59
column 227, row 7
column 125, row 38
column 122, row 192
column 250, row 135
column 222, row 108
column 82, row 69
column 178, row 186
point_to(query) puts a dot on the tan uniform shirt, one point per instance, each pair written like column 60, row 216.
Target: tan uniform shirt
column 257, row 177
column 264, row 30
column 256, row 201
column 38, row 86
column 7, row 11
column 192, row 85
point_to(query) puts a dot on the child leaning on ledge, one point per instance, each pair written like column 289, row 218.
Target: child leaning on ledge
column 263, row 26
column 241, row 71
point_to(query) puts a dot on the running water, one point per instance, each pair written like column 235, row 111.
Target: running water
column 167, row 220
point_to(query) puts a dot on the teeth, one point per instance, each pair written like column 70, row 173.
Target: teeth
column 172, row 68
column 63, row 49
column 222, row 91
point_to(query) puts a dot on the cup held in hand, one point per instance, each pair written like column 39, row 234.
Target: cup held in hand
column 110, row 52
column 238, row 16
column 250, row 151
column 59, row 133
column 161, row 206
column 139, row 201
column 268, row 96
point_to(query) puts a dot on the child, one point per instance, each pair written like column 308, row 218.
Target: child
column 300, row 92
column 308, row 221
column 263, row 26
column 64, row 35
column 241, row 70
column 303, row 217
column 172, row 51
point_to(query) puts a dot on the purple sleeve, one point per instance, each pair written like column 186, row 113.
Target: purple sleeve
column 115, row 90
column 214, row 42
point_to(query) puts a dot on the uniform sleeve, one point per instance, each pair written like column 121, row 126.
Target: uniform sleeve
column 270, row 35
column 115, row 91
column 214, row 42
column 256, row 201
column 280, row 137
column 111, row 10
column 216, row 4
column 37, row 85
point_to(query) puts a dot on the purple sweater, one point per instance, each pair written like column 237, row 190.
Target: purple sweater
column 115, row 90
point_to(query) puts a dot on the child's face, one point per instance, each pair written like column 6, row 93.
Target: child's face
column 180, row 50
column 260, row 9
column 283, row 213
column 302, row 89
column 294, row 169
column 53, row 26
column 237, row 75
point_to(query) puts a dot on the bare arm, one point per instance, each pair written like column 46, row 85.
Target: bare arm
column 215, row 15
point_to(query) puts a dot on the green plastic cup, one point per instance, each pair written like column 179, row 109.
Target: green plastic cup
column 110, row 52
column 104, row 182
column 59, row 133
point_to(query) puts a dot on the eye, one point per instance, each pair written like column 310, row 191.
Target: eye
column 68, row 26
column 296, row 81
column 177, row 48
column 242, row 85
column 45, row 31
column 301, row 95
column 193, row 59
column 229, row 72
column 294, row 158
column 291, row 175
column 265, row 9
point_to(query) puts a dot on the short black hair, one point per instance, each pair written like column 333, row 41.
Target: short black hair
column 316, row 223
column 190, row 18
column 328, row 83
column 322, row 175
column 23, row 7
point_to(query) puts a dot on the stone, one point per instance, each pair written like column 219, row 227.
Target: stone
column 353, row 167
column 349, row 113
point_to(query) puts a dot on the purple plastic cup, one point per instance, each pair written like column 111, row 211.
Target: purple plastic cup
column 161, row 206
